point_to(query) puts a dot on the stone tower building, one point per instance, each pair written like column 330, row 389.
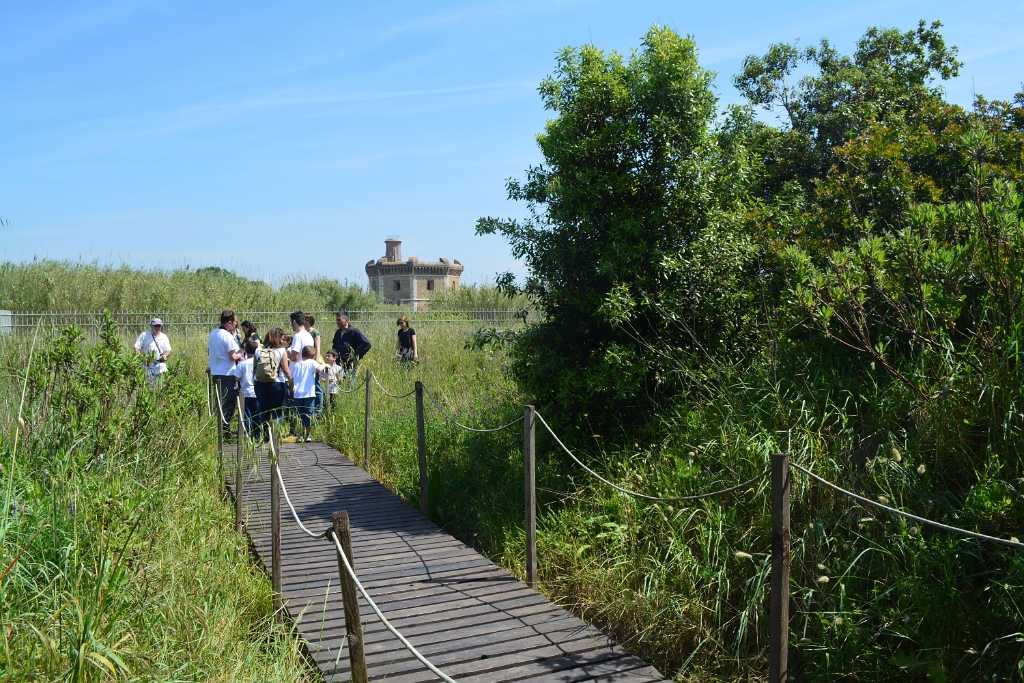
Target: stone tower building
column 412, row 281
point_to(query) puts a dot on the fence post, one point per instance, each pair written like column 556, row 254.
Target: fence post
column 275, row 524
column 530, row 493
column 353, row 624
column 238, row 469
column 218, row 413
column 778, row 656
column 421, row 447
column 368, row 404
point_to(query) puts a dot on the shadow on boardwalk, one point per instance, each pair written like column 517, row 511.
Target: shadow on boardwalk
column 471, row 618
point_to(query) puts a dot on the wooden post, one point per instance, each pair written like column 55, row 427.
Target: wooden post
column 275, row 525
column 778, row 656
column 530, row 494
column 238, row 469
column 218, row 413
column 353, row 624
column 421, row 448
column 367, row 406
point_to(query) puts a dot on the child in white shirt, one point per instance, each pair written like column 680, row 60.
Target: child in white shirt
column 304, row 377
column 332, row 372
column 243, row 371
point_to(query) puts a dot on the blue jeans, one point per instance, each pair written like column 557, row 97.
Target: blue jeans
column 304, row 407
column 271, row 397
column 318, row 403
column 252, row 411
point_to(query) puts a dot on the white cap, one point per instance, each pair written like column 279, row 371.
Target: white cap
column 156, row 321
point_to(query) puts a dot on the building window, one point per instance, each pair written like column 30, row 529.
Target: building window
column 398, row 285
column 430, row 285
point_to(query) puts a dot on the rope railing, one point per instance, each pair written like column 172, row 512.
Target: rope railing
column 220, row 406
column 380, row 615
column 637, row 494
column 902, row 513
column 779, row 495
column 355, row 387
column 288, row 500
column 388, row 393
column 446, row 414
column 330, row 534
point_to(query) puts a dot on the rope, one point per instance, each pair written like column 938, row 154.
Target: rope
column 291, row 507
column 446, row 414
column 354, row 388
column 909, row 515
column 209, row 391
column 220, row 408
column 384, row 389
column 380, row 615
column 241, row 415
column 709, row 494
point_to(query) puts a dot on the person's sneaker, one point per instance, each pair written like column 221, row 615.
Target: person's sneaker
column 309, row 439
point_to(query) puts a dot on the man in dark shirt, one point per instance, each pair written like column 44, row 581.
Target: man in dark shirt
column 349, row 343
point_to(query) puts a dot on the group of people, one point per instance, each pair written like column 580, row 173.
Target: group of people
column 279, row 373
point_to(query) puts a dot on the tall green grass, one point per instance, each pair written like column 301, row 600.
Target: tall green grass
column 686, row 584
column 64, row 286
column 117, row 553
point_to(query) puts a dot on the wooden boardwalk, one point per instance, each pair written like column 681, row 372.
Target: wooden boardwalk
column 469, row 617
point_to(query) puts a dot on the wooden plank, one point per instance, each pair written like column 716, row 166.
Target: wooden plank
column 470, row 617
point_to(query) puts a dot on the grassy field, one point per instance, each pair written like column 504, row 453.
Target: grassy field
column 107, row 570
column 118, row 556
column 686, row 585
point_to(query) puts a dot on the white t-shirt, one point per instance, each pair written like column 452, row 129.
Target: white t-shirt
column 332, row 373
column 304, row 378
column 219, row 349
column 151, row 346
column 243, row 371
column 282, row 354
column 300, row 340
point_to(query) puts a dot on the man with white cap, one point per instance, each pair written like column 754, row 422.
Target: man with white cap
column 155, row 348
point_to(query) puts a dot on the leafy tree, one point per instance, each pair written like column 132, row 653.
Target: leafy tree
column 632, row 190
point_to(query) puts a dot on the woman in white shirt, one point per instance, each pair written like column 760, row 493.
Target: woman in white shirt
column 155, row 348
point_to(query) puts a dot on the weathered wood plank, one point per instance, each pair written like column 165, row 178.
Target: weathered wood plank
column 467, row 615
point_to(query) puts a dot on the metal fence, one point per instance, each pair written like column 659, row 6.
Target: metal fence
column 196, row 322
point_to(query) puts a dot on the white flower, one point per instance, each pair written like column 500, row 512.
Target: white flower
column 740, row 555
column 921, row 469
column 822, row 580
column 838, row 621
column 884, row 500
column 821, row 567
column 896, row 454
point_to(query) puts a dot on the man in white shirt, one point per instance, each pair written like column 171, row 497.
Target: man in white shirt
column 301, row 337
column 155, row 348
column 223, row 352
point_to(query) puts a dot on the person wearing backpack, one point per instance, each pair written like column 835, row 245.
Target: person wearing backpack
column 271, row 375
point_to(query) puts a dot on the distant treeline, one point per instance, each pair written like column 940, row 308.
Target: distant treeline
column 65, row 286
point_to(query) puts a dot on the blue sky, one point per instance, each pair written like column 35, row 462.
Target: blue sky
column 281, row 139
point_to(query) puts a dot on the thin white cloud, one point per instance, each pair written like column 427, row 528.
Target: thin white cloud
column 476, row 13
column 207, row 114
